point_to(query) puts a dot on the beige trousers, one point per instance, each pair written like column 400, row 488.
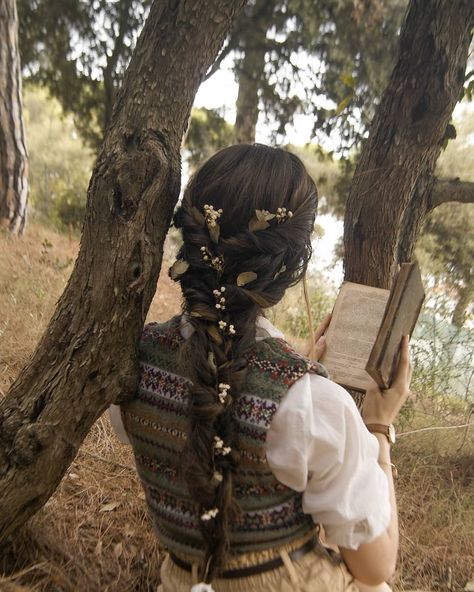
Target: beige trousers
column 312, row 573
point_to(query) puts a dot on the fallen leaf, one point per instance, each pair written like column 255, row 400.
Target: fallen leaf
column 109, row 507
column 256, row 224
column 246, row 277
column 98, row 549
column 214, row 232
column 141, row 495
column 264, row 215
column 118, row 549
column 178, row 268
column 128, row 531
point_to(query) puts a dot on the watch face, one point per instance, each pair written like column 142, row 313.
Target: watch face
column 391, row 434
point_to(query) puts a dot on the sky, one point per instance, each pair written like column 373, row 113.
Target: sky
column 220, row 92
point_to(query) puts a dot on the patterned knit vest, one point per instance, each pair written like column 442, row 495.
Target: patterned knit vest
column 156, row 421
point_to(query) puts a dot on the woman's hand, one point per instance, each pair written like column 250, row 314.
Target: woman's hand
column 315, row 350
column 383, row 407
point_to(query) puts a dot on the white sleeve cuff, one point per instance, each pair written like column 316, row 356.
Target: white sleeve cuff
column 115, row 417
column 318, row 444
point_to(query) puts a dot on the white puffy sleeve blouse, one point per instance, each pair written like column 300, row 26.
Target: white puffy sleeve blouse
column 318, row 444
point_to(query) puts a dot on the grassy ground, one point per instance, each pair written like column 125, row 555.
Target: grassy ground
column 94, row 534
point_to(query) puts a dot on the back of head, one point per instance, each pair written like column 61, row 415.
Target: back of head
column 246, row 219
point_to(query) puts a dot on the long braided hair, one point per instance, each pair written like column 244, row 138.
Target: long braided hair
column 246, row 219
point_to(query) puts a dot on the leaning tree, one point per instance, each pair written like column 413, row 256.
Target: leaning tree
column 13, row 155
column 86, row 358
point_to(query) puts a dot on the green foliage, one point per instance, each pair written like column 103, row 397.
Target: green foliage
column 79, row 51
column 60, row 165
column 208, row 132
column 330, row 58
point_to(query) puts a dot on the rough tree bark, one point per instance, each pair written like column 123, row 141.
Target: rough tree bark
column 86, row 358
column 13, row 154
column 391, row 185
column 254, row 45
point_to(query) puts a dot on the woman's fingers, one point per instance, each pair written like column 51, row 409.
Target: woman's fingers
column 321, row 328
column 404, row 370
column 319, row 348
column 316, row 349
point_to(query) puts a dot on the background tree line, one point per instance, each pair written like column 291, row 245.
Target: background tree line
column 329, row 58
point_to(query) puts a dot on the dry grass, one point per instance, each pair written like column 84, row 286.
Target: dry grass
column 94, row 534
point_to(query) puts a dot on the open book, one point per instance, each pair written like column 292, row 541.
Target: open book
column 367, row 325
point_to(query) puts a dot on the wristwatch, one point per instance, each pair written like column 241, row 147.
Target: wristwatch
column 387, row 430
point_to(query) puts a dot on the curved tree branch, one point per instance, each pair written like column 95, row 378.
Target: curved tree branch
column 445, row 190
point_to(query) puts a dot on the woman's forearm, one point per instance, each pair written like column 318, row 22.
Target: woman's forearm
column 374, row 563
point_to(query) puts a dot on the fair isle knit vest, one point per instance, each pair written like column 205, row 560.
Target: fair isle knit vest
column 156, row 422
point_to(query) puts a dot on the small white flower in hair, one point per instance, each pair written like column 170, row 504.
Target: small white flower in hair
column 232, row 329
column 211, row 215
column 222, row 325
column 219, row 446
column 282, row 214
column 210, row 514
column 223, row 388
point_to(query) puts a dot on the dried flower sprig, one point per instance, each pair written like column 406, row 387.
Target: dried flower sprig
column 220, row 298
column 223, row 392
column 226, row 327
column 211, row 217
column 283, row 214
column 212, row 513
column 217, row 262
column 219, row 447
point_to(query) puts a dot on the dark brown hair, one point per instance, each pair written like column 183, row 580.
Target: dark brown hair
column 238, row 180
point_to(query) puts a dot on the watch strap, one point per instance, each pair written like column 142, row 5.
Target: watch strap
column 380, row 428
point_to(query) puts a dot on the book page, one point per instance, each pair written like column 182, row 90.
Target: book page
column 356, row 319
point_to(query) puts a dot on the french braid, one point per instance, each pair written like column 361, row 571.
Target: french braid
column 230, row 187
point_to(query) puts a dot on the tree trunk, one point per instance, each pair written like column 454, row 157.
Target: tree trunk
column 250, row 72
column 13, row 154
column 248, row 79
column 87, row 357
column 405, row 139
column 465, row 294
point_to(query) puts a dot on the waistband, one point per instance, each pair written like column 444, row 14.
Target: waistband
column 252, row 570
